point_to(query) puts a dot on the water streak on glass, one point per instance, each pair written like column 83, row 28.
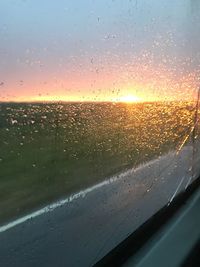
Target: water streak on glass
column 99, row 122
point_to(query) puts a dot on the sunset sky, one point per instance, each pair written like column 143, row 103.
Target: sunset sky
column 99, row 50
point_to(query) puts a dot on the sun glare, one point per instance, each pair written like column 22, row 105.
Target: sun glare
column 130, row 99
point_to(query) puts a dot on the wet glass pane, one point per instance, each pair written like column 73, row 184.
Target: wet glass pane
column 99, row 122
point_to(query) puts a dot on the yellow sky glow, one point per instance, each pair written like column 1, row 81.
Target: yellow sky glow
column 130, row 99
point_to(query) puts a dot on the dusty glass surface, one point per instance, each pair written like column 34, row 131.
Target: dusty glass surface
column 99, row 122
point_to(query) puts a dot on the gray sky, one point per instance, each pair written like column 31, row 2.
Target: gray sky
column 98, row 49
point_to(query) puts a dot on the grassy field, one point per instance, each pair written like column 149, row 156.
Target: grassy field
column 48, row 151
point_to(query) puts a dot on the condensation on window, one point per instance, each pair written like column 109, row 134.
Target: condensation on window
column 99, row 122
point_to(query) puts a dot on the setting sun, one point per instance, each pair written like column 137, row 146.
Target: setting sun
column 129, row 99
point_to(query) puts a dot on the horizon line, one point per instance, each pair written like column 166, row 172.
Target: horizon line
column 89, row 101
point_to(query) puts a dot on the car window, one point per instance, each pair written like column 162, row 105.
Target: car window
column 99, row 122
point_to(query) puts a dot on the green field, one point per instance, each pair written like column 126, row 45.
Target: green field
column 48, row 151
